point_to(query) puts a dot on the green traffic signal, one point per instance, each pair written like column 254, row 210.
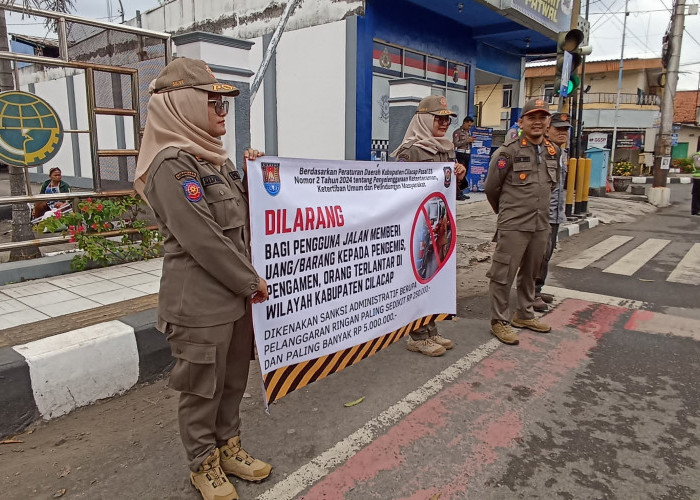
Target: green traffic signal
column 574, row 83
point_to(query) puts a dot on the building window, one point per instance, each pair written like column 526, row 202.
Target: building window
column 549, row 93
column 507, row 95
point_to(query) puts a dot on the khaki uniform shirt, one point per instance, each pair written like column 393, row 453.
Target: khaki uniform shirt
column 460, row 140
column 413, row 153
column 202, row 213
column 519, row 184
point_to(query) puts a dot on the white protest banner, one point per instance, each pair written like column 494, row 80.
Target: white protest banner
column 355, row 255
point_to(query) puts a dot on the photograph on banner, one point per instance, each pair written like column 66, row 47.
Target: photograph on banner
column 479, row 159
column 351, row 251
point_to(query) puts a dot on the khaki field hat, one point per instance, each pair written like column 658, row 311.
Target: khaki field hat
column 435, row 105
column 561, row 120
column 184, row 73
column 535, row 105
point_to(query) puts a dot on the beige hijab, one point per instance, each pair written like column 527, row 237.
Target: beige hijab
column 420, row 132
column 178, row 118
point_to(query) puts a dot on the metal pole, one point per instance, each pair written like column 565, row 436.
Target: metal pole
column 579, row 118
column 92, row 126
column 257, row 80
column 613, row 148
column 62, row 39
column 663, row 141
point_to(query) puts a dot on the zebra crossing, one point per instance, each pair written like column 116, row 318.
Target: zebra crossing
column 686, row 271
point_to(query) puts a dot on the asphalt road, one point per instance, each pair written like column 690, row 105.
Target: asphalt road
column 605, row 406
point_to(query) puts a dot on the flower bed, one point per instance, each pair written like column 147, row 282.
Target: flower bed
column 107, row 231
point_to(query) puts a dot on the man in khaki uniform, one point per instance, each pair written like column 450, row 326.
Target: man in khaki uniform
column 208, row 284
column 518, row 186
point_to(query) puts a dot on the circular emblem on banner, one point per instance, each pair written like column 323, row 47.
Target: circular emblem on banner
column 30, row 130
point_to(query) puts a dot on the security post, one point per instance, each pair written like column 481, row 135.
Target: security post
column 570, row 182
column 580, row 175
column 588, row 163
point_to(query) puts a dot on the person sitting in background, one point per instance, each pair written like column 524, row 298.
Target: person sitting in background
column 52, row 185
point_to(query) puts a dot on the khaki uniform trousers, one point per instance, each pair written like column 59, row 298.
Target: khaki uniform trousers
column 211, row 372
column 515, row 249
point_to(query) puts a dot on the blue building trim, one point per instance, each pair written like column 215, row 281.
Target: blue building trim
column 415, row 28
column 363, row 120
column 498, row 62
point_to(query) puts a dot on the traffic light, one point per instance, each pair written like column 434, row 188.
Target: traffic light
column 569, row 57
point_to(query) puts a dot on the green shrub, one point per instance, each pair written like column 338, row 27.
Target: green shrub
column 622, row 168
column 92, row 219
column 685, row 164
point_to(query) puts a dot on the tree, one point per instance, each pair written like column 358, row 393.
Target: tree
column 21, row 230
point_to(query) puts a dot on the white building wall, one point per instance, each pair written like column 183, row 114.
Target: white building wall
column 311, row 83
column 54, row 92
column 244, row 19
column 257, row 109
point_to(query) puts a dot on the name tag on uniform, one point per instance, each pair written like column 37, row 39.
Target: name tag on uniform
column 234, row 175
column 522, row 159
column 209, row 180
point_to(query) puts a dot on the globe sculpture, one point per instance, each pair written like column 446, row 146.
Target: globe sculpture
column 30, row 130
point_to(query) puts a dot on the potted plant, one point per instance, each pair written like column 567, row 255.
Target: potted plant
column 622, row 175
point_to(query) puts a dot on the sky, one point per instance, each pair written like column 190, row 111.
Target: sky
column 646, row 25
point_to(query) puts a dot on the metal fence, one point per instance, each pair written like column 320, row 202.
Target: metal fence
column 611, row 98
column 117, row 62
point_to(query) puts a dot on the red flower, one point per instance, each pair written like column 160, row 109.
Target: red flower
column 72, row 239
column 89, row 200
column 106, row 225
column 99, row 208
column 84, row 208
column 58, row 214
column 93, row 225
column 71, row 229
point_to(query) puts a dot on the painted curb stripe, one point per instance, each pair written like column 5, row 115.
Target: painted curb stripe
column 79, row 367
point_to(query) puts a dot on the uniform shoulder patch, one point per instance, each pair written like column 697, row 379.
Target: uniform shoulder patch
column 403, row 157
column 234, row 175
column 193, row 190
column 185, row 173
column 502, row 162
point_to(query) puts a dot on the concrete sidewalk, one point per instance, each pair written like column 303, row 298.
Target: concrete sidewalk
column 50, row 376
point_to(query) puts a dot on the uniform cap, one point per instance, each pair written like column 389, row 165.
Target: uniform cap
column 435, row 105
column 535, row 105
column 561, row 120
column 183, row 73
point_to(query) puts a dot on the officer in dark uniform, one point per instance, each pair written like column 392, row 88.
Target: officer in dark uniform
column 522, row 174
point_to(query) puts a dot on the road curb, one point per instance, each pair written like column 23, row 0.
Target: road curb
column 670, row 180
column 51, row 377
column 572, row 228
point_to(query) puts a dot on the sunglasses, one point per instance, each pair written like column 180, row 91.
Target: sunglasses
column 220, row 106
column 444, row 119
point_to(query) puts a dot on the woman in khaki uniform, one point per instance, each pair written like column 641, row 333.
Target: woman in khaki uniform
column 204, row 305
column 425, row 141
